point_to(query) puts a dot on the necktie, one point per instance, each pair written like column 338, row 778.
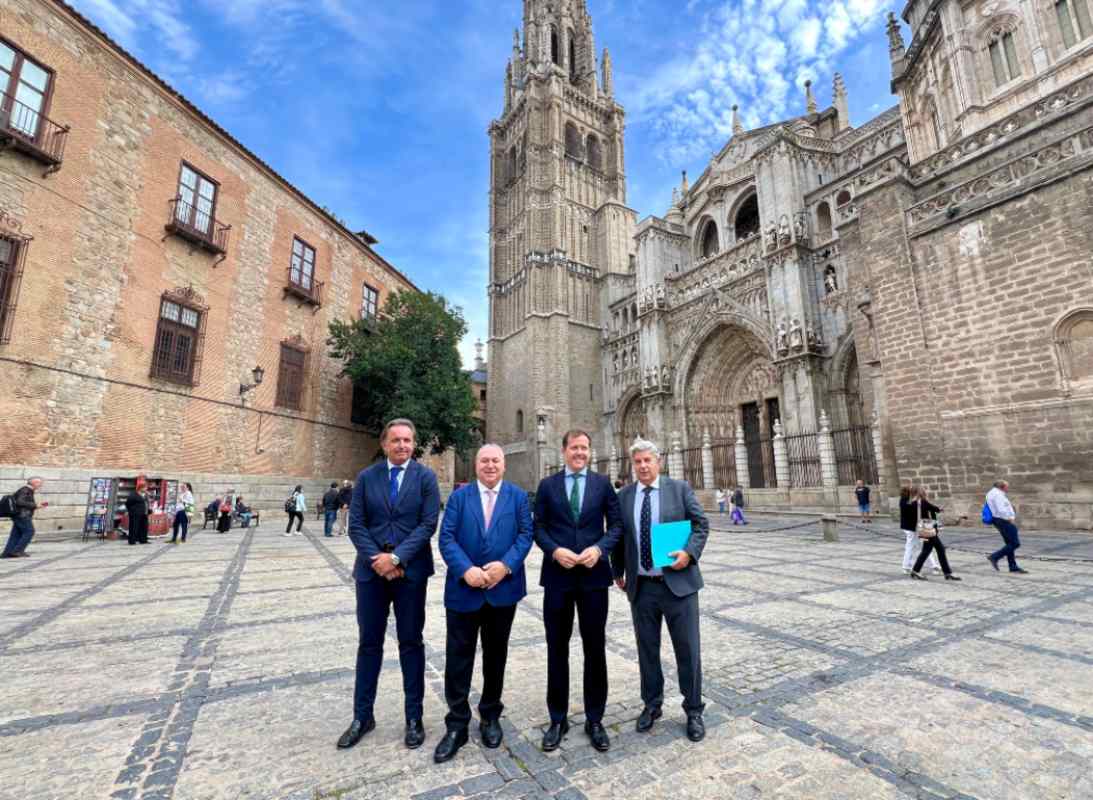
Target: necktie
column 575, row 497
column 394, row 484
column 490, row 496
column 647, row 530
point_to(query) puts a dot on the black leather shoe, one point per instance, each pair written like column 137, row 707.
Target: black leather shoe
column 696, row 728
column 994, row 563
column 415, row 734
column 553, row 737
column 916, row 576
column 449, row 745
column 491, row 733
column 598, row 736
column 1018, row 571
column 951, row 577
column 355, row 732
column 647, row 718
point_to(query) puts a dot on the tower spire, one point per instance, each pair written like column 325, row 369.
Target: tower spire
column 608, row 77
column 737, row 128
column 839, row 100
column 810, row 101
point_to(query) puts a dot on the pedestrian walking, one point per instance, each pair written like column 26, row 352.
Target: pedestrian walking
column 345, row 497
column 184, row 510
column 861, row 491
column 908, row 523
column 738, row 507
column 929, row 531
column 295, row 507
column 1004, row 518
column 23, row 506
column 721, row 499
column 224, row 521
column 136, row 506
column 330, row 503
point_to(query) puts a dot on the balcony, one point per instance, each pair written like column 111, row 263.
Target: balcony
column 26, row 130
column 304, row 288
column 198, row 227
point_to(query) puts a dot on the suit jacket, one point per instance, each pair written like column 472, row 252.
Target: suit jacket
column 465, row 542
column 598, row 524
column 677, row 502
column 406, row 527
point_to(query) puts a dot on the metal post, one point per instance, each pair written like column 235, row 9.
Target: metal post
column 781, row 457
column 707, row 461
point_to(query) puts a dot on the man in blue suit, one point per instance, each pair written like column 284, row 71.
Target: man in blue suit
column 392, row 517
column 577, row 525
column 484, row 538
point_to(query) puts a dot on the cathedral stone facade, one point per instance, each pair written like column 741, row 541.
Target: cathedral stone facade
column 906, row 301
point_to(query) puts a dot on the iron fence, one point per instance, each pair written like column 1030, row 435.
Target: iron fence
column 724, row 465
column 854, row 456
column 803, row 452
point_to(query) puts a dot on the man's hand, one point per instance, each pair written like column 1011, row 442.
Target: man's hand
column 589, row 556
column 495, row 572
column 567, row 558
column 383, row 565
column 475, row 577
column 621, row 582
column 43, row 505
column 395, row 574
column 682, row 559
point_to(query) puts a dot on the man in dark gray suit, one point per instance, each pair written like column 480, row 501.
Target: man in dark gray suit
column 658, row 595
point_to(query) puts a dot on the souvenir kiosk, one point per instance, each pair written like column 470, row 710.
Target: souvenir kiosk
column 106, row 516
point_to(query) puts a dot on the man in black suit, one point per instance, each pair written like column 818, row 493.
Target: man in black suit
column 658, row 595
column 577, row 525
column 393, row 516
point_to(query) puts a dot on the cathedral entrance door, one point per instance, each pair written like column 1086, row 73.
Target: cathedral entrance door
column 754, row 445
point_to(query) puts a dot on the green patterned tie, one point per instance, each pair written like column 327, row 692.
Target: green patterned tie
column 575, row 496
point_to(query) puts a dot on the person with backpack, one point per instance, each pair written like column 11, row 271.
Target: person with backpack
column 330, row 509
column 21, row 507
column 295, row 507
column 999, row 512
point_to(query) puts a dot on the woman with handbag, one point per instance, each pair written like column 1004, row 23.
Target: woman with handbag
column 929, row 531
column 908, row 523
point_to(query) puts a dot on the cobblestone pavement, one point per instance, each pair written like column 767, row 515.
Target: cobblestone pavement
column 223, row 669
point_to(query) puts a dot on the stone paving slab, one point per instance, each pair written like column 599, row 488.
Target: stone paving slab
column 224, row 669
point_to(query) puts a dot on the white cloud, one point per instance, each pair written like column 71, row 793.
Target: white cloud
column 755, row 53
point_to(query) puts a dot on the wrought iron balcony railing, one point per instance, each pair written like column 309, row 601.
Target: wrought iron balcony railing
column 199, row 227
column 304, row 287
column 31, row 132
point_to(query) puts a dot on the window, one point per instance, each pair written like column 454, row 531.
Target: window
column 747, row 218
column 482, row 395
column 179, row 335
column 555, row 56
column 1003, row 55
column 519, row 421
column 196, row 200
column 709, row 240
column 11, row 260
column 823, row 220
column 572, row 58
column 26, row 86
column 842, row 198
column 1074, row 22
column 290, row 376
column 1074, row 349
column 369, row 302
column 572, row 140
column 595, row 152
column 358, row 413
column 302, row 271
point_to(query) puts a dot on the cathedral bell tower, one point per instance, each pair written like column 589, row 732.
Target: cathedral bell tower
column 559, row 228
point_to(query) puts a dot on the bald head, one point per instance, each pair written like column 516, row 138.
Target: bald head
column 489, row 465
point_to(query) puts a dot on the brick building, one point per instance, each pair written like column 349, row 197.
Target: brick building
column 910, row 300
column 149, row 263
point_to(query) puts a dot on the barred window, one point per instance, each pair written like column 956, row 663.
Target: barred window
column 11, row 260
column 177, row 347
column 290, row 377
column 369, row 302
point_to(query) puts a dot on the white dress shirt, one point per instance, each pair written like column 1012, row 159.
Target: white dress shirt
column 1000, row 505
column 654, row 507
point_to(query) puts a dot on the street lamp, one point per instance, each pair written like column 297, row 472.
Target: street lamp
column 258, row 374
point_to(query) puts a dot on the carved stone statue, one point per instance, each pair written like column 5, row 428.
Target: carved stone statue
column 660, row 295
column 783, row 229
column 796, row 335
column 615, row 362
column 814, row 341
column 799, row 227
column 772, row 236
column 665, row 376
column 781, row 338
column 650, row 377
column 831, row 280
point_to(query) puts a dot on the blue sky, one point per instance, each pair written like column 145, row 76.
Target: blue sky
column 379, row 109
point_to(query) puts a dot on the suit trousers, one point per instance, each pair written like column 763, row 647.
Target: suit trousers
column 493, row 624
column 559, row 606
column 655, row 603
column 1012, row 540
column 374, row 601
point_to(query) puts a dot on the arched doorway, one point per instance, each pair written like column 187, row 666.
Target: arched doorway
column 634, row 425
column 731, row 382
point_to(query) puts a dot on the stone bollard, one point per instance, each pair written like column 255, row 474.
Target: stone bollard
column 831, row 528
column 781, row 457
column 707, row 461
column 743, row 474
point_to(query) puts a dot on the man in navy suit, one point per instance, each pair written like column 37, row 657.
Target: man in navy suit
column 392, row 517
column 577, row 525
column 484, row 538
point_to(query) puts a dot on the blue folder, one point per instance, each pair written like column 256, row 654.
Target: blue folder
column 668, row 537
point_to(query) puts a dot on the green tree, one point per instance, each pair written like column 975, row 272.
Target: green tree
column 407, row 363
